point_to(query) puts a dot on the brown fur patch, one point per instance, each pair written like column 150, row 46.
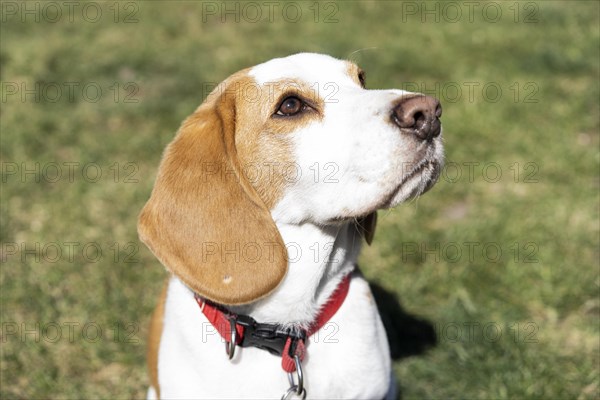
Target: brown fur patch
column 205, row 220
column 355, row 72
column 262, row 140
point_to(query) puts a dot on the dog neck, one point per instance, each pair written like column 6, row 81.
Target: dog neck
column 319, row 258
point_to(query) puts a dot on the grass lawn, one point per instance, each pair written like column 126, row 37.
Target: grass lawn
column 500, row 259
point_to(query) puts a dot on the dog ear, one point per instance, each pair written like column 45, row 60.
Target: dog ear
column 366, row 226
column 204, row 221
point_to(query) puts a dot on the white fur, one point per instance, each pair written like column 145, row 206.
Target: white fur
column 371, row 165
column 362, row 158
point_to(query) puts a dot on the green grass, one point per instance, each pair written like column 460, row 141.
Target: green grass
column 546, row 311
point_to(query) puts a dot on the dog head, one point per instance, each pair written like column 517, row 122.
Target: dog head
column 294, row 140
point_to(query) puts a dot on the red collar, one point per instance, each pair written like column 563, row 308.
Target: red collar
column 273, row 338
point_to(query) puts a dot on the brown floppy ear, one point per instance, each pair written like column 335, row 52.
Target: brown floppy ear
column 204, row 221
column 366, row 226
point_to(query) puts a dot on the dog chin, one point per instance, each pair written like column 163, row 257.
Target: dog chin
column 416, row 183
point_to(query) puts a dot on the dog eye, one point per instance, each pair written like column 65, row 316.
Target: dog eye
column 291, row 106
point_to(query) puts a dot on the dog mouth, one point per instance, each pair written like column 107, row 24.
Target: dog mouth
column 419, row 180
column 428, row 170
column 417, row 169
column 411, row 183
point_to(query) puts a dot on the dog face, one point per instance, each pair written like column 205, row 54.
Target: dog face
column 350, row 153
column 296, row 139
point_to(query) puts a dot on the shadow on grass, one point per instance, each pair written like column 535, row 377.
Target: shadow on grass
column 408, row 335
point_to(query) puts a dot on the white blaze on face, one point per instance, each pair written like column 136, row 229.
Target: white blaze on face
column 354, row 159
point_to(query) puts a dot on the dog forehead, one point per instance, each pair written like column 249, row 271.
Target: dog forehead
column 307, row 67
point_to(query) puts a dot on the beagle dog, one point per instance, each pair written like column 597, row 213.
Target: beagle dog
column 258, row 212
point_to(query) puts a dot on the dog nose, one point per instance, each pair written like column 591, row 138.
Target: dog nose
column 419, row 115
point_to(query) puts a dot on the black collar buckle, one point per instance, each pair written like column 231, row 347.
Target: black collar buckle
column 269, row 337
